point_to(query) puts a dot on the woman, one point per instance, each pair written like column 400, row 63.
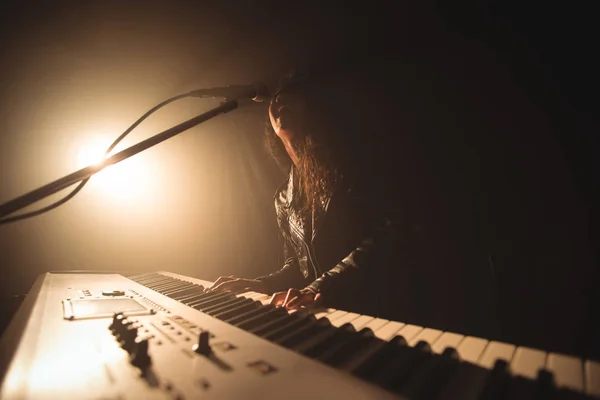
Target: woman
column 325, row 212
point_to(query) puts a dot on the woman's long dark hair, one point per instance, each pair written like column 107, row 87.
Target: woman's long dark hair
column 321, row 164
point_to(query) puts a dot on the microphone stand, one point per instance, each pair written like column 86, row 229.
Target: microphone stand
column 84, row 173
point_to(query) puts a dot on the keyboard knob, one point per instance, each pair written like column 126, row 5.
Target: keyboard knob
column 203, row 346
column 139, row 355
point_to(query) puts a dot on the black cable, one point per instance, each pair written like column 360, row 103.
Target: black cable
column 83, row 182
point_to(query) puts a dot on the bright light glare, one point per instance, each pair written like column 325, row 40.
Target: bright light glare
column 127, row 180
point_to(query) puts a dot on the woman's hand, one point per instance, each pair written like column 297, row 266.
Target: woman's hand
column 295, row 299
column 238, row 285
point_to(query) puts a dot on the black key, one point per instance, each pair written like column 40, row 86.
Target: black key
column 232, row 312
column 272, row 324
column 196, row 289
column 381, row 354
column 304, row 333
column 344, row 351
column 207, row 297
column 318, row 344
column 396, row 373
column 166, row 286
column 467, row 383
column 546, row 386
column 289, row 328
column 520, row 388
column 151, row 279
column 195, row 297
column 158, row 281
column 185, row 286
column 248, row 315
column 496, row 385
column 428, row 380
column 259, row 320
column 205, row 303
column 227, row 305
column 373, row 345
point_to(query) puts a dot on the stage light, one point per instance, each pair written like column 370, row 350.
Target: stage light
column 127, row 180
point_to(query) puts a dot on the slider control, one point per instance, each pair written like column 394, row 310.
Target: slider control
column 203, row 346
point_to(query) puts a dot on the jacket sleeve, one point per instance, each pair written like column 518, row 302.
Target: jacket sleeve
column 346, row 272
column 288, row 276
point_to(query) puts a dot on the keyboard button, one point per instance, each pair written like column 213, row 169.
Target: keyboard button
column 471, row 348
column 568, row 371
column 496, row 351
column 592, row 378
column 527, row 362
column 447, row 339
column 361, row 322
column 389, row 330
column 344, row 319
column 466, row 384
column 436, row 372
column 428, row 335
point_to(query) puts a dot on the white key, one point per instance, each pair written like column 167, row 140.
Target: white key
column 428, row 335
column 255, row 295
column 527, row 362
column 320, row 313
column 568, row 371
column 335, row 315
column 496, row 351
column 388, row 331
column 471, row 348
column 409, row 332
column 447, row 339
column 346, row 318
column 592, row 378
column 376, row 324
column 361, row 322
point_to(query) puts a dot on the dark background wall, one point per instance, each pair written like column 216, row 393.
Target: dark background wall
column 494, row 104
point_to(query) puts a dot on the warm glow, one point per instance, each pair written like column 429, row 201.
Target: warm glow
column 128, row 180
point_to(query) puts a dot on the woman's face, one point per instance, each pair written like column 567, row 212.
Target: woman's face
column 286, row 112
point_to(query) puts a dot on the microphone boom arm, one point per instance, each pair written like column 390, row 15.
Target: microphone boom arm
column 84, row 173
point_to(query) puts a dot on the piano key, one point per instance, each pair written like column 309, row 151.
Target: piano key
column 466, row 384
column 432, row 376
column 318, row 344
column 341, row 354
column 232, row 312
column 210, row 300
column 396, row 374
column 520, row 388
column 271, row 323
column 248, row 315
column 376, row 323
column 470, row 348
column 361, row 321
column 322, row 312
column 219, row 305
column 305, row 332
column 380, row 355
column 261, row 319
column 183, row 286
column 527, row 362
column 428, row 335
column 302, row 322
column 497, row 382
column 496, row 351
column 568, row 371
column 254, row 295
column 447, row 339
column 228, row 305
column 409, row 332
column 592, row 378
column 388, row 331
column 334, row 315
column 195, row 289
column 344, row 319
